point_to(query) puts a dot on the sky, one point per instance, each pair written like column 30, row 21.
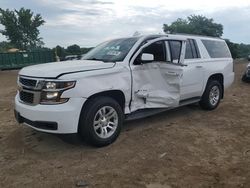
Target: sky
column 90, row 22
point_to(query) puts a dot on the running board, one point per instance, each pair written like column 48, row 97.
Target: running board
column 143, row 113
column 189, row 101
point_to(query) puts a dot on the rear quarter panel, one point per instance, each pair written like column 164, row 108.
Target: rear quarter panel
column 222, row 66
column 213, row 66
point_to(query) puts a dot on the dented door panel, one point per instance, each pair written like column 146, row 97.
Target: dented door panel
column 156, row 85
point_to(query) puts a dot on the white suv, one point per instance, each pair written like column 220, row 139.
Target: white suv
column 124, row 78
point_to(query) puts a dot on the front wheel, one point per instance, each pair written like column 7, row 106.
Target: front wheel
column 101, row 121
column 212, row 95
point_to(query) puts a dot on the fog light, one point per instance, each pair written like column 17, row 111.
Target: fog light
column 52, row 95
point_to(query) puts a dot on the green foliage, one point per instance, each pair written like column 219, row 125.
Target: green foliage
column 200, row 25
column 178, row 26
column 85, row 50
column 4, row 46
column 21, row 27
column 195, row 24
column 74, row 49
column 238, row 50
column 243, row 50
column 60, row 51
column 70, row 50
column 234, row 48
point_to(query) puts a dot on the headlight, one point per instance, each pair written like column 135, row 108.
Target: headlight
column 50, row 85
column 60, row 85
column 52, row 91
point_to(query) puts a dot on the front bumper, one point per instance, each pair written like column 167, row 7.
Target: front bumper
column 228, row 79
column 60, row 118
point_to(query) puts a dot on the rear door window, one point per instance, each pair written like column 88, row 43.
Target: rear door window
column 192, row 51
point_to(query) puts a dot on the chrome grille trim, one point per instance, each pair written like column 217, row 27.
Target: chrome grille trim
column 30, row 86
column 27, row 82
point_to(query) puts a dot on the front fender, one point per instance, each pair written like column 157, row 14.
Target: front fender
column 92, row 82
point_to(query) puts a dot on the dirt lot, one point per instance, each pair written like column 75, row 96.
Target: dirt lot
column 186, row 147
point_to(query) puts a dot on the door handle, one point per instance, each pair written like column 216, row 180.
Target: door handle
column 199, row 66
column 172, row 73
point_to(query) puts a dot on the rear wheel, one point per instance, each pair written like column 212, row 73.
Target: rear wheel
column 212, row 95
column 101, row 121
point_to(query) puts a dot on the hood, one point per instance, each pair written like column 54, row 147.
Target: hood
column 55, row 69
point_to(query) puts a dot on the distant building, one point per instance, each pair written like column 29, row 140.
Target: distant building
column 13, row 50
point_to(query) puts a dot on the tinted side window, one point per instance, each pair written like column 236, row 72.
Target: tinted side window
column 191, row 50
column 157, row 49
column 188, row 54
column 175, row 49
column 216, row 49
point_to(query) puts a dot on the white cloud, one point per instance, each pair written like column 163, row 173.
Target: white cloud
column 88, row 22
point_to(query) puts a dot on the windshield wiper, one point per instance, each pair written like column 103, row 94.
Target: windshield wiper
column 103, row 60
column 96, row 59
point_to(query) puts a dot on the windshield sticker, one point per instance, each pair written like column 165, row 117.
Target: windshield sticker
column 114, row 53
column 112, row 48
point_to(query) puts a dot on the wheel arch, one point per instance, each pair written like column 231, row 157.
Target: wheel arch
column 220, row 78
column 117, row 95
column 87, row 112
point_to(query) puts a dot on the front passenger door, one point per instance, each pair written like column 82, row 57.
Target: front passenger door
column 156, row 84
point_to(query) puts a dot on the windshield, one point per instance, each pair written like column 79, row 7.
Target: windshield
column 111, row 51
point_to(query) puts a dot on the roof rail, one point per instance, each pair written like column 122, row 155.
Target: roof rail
column 195, row 35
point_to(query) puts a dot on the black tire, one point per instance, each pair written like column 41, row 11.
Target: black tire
column 244, row 78
column 205, row 102
column 88, row 114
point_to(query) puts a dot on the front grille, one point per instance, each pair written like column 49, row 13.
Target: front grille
column 26, row 97
column 27, row 82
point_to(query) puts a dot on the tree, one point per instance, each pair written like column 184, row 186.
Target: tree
column 4, row 46
column 243, row 50
column 85, row 50
column 178, row 26
column 60, row 51
column 74, row 49
column 234, row 48
column 21, row 27
column 195, row 24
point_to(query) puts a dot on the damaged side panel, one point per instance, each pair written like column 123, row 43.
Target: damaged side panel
column 156, row 85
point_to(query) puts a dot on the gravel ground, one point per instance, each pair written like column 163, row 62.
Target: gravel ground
column 185, row 147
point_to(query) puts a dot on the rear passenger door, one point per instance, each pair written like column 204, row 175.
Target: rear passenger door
column 193, row 72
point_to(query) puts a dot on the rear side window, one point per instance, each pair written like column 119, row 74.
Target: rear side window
column 191, row 50
column 217, row 49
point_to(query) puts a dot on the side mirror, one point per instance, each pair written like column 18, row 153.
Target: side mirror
column 145, row 57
